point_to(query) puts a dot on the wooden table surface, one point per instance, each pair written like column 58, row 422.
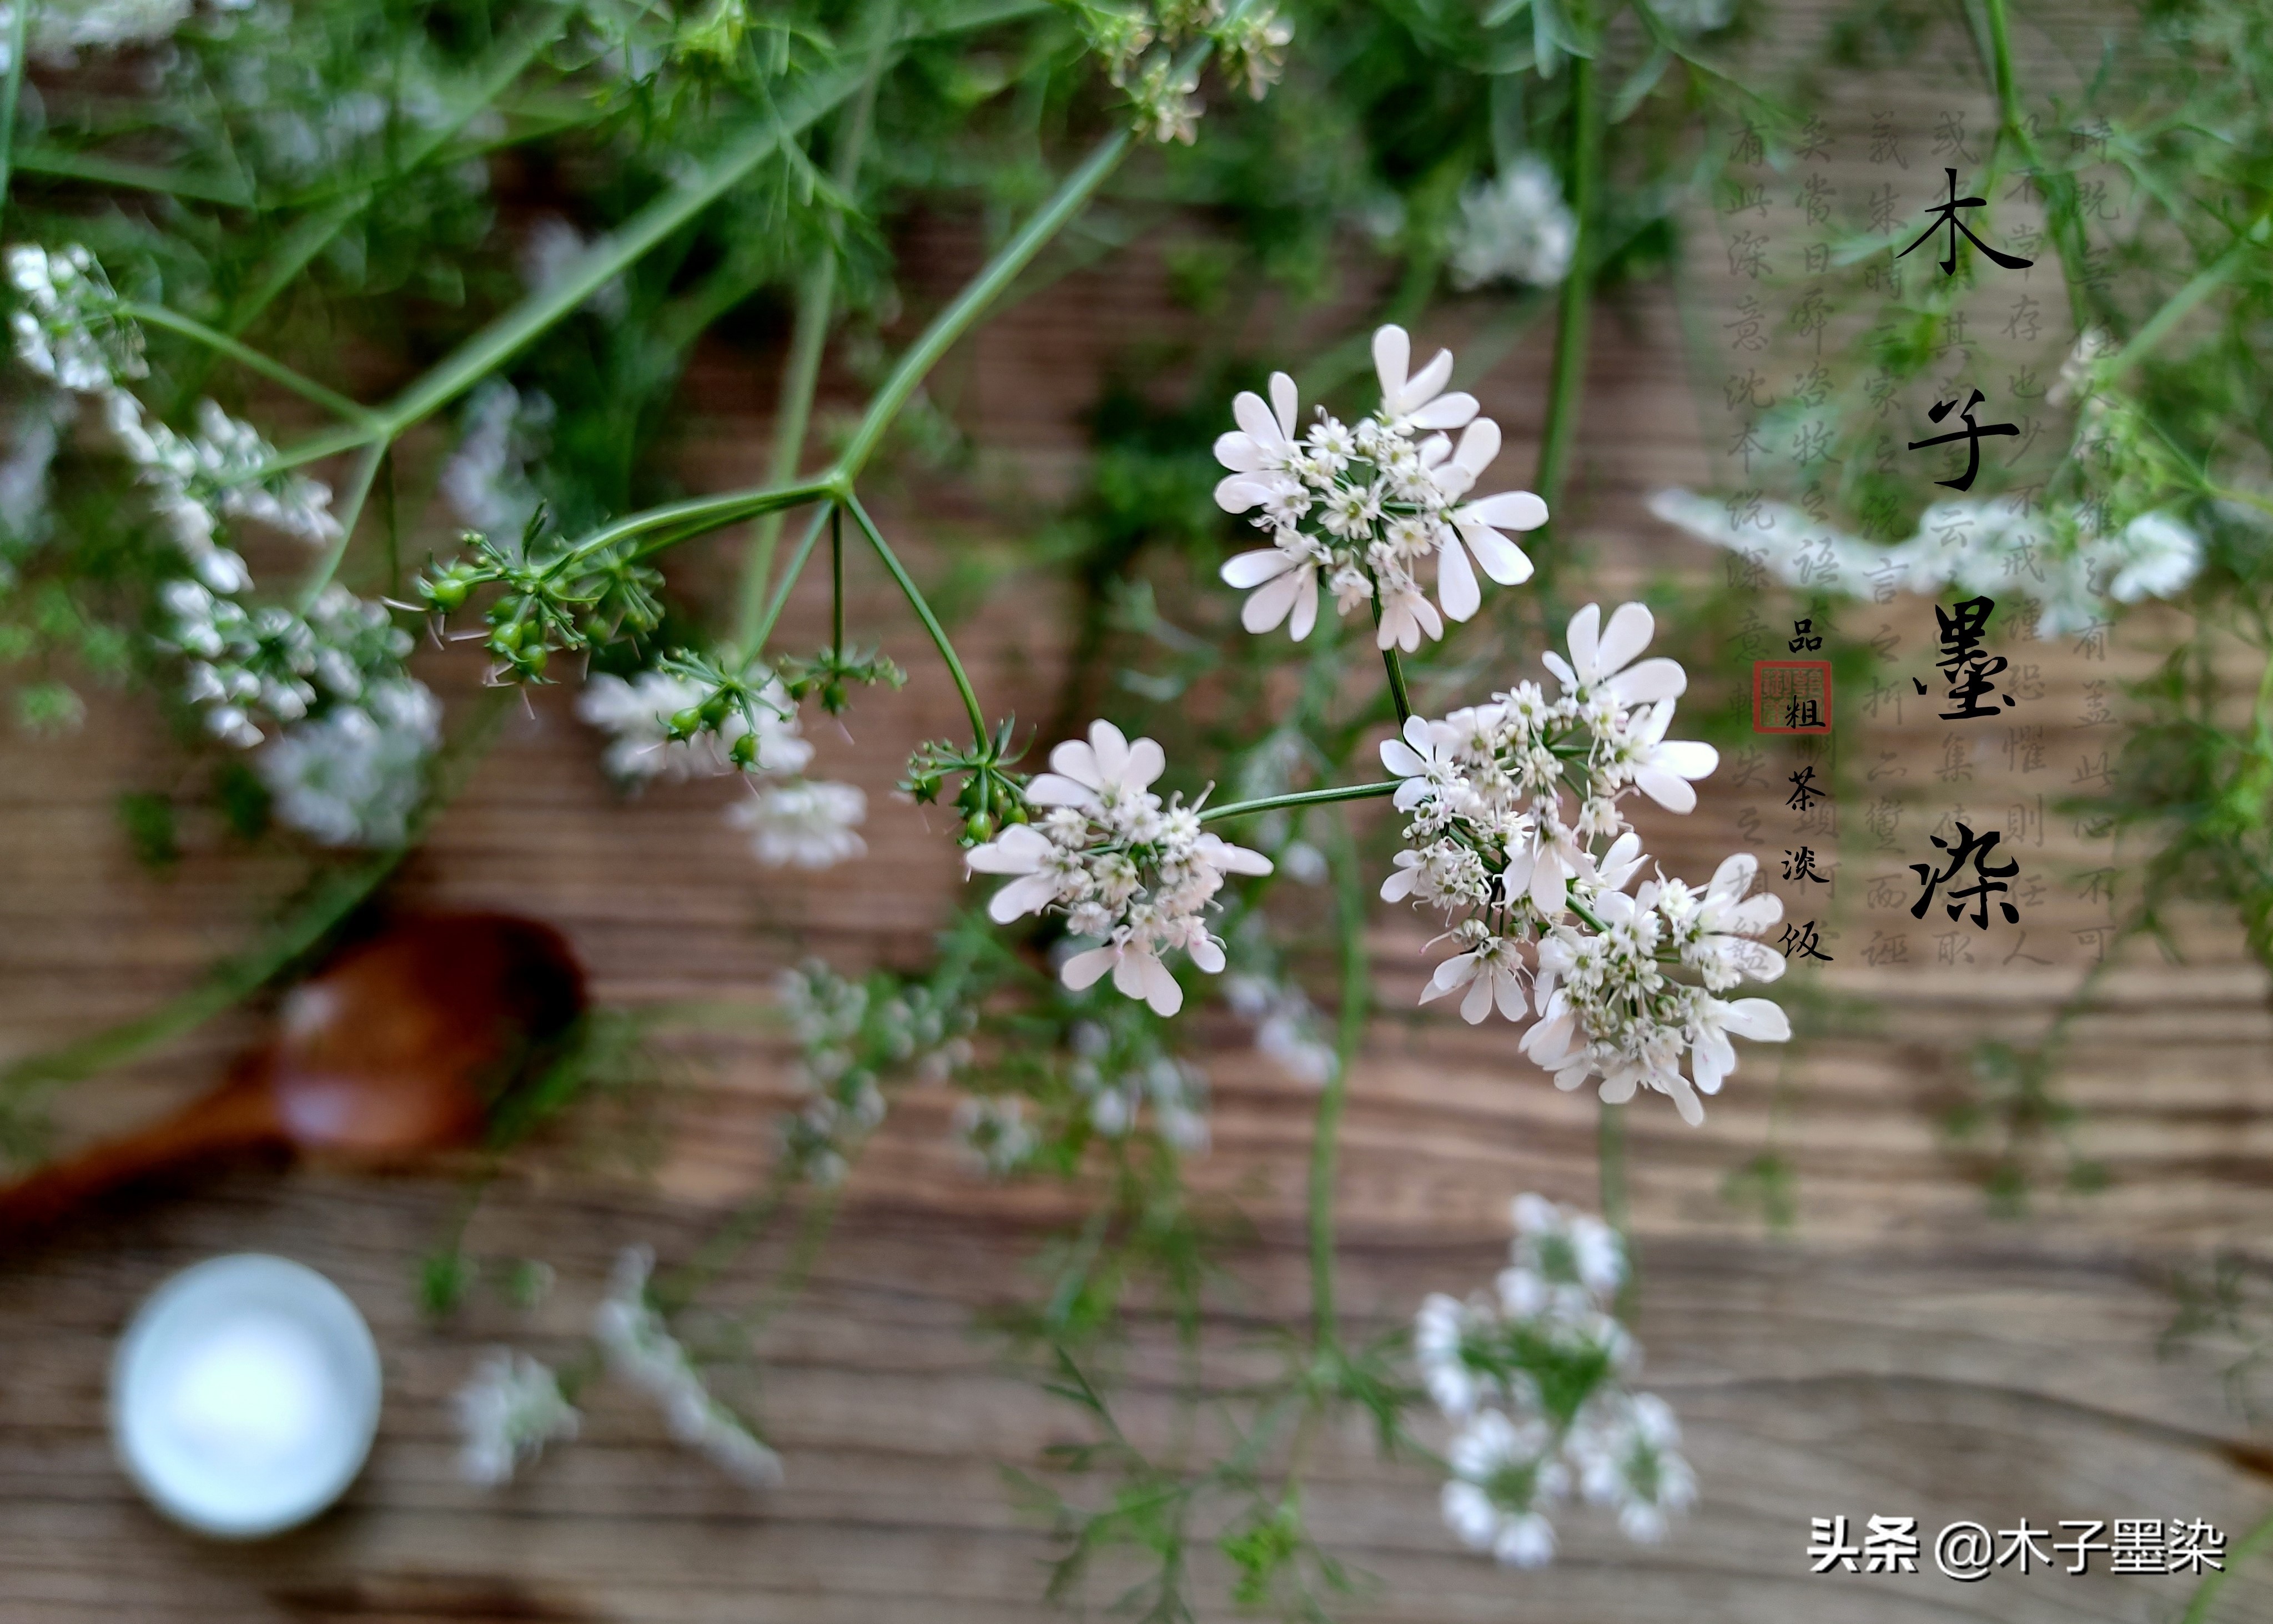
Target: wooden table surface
column 1898, row 1352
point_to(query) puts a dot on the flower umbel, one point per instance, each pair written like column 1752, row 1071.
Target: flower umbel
column 1533, row 888
column 509, row 1410
column 1534, row 1372
column 1368, row 512
column 640, row 1349
column 1123, row 867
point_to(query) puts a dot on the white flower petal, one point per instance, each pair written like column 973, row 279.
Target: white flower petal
column 1050, row 789
column 1145, row 762
column 1627, row 634
column 1268, row 605
column 1425, row 385
column 1580, row 638
column 1446, row 412
column 1510, row 510
column 1651, row 679
column 1393, row 353
column 1456, row 581
column 1285, row 403
column 1674, row 794
column 1238, row 493
column 1252, row 569
column 1306, row 606
column 1501, row 560
column 1018, row 849
column 1255, row 417
column 1084, row 969
column 1028, row 894
column 1761, row 1019
column 1238, row 453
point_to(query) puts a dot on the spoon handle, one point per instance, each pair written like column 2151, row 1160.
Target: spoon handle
column 237, row 1116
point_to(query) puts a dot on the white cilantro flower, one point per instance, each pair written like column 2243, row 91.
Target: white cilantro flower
column 636, row 712
column 356, row 774
column 1627, row 1450
column 1503, row 1474
column 1533, row 890
column 507, row 1411
column 1534, row 1376
column 1120, row 863
column 1361, row 508
column 1516, row 228
column 801, row 823
column 640, row 1348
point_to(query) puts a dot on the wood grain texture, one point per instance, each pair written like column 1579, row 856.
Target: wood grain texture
column 1900, row 1352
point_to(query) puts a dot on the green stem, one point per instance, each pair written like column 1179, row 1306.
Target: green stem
column 983, row 290
column 252, row 360
column 916, row 602
column 109, row 173
column 314, row 232
column 754, row 644
column 802, row 376
column 2250, row 244
column 1567, row 376
column 1325, row 1135
column 2256, row 1540
column 798, row 381
column 1395, row 666
column 837, row 583
column 1301, row 798
column 11, row 90
column 1610, row 1159
column 2060, row 215
column 689, row 519
column 350, row 509
column 495, row 344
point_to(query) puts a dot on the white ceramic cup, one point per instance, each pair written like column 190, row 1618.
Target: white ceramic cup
column 244, row 1395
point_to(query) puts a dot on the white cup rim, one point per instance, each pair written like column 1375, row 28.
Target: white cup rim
column 278, row 1285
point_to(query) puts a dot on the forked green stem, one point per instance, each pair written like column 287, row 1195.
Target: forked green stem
column 923, row 613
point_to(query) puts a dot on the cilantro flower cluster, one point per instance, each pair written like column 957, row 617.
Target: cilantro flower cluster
column 347, row 731
column 1516, row 834
column 272, row 665
column 1128, row 870
column 637, row 1341
column 1370, row 512
column 507, row 1411
column 792, row 822
column 853, row 1040
column 1534, row 1374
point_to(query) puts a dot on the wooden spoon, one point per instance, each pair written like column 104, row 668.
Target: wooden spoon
column 400, row 1045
